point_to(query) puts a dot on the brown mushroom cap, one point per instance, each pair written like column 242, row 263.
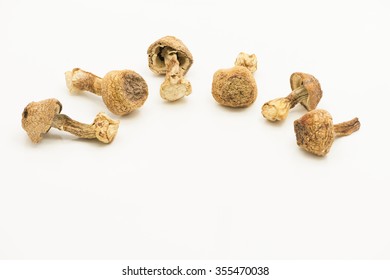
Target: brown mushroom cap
column 38, row 117
column 156, row 60
column 312, row 86
column 123, row 91
column 314, row 132
column 234, row 87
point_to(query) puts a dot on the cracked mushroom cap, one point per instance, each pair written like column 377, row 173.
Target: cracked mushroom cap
column 124, row 91
column 38, row 117
column 234, row 87
column 156, row 60
column 314, row 132
column 312, row 86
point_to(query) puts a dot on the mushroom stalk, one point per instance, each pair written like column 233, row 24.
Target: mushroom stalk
column 249, row 61
column 297, row 96
column 169, row 56
column 346, row 128
column 79, row 80
column 65, row 123
column 173, row 66
column 39, row 117
column 175, row 85
column 306, row 90
column 103, row 128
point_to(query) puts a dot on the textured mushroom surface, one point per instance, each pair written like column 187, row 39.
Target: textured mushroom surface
column 234, row 87
column 37, row 117
column 315, row 131
column 122, row 91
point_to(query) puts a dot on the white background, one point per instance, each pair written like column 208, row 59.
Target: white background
column 192, row 179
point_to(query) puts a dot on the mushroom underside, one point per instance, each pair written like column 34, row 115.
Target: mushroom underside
column 312, row 87
column 157, row 61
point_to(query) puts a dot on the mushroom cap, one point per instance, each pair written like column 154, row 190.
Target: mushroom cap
column 234, row 87
column 314, row 132
column 38, row 117
column 123, row 91
column 312, row 87
column 156, row 60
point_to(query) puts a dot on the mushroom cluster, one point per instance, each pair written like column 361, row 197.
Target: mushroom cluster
column 314, row 131
column 124, row 91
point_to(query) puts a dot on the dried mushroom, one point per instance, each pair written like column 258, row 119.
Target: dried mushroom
column 315, row 131
column 236, row 86
column 306, row 90
column 39, row 117
column 170, row 57
column 122, row 91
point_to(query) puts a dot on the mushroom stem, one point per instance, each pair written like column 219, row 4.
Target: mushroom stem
column 175, row 85
column 103, row 127
column 65, row 123
column 277, row 109
column 247, row 61
column 297, row 95
column 173, row 66
column 79, row 80
column 346, row 128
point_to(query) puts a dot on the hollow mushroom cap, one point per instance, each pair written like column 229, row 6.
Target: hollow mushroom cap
column 314, row 132
column 156, row 60
column 312, row 86
column 38, row 117
column 124, row 91
column 234, row 87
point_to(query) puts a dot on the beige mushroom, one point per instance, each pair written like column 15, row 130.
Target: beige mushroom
column 170, row 57
column 122, row 91
column 305, row 90
column 39, row 117
column 315, row 131
column 236, row 86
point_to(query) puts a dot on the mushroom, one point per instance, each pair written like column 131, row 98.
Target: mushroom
column 236, row 86
column 305, row 90
column 315, row 131
column 170, row 57
column 39, row 117
column 122, row 91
